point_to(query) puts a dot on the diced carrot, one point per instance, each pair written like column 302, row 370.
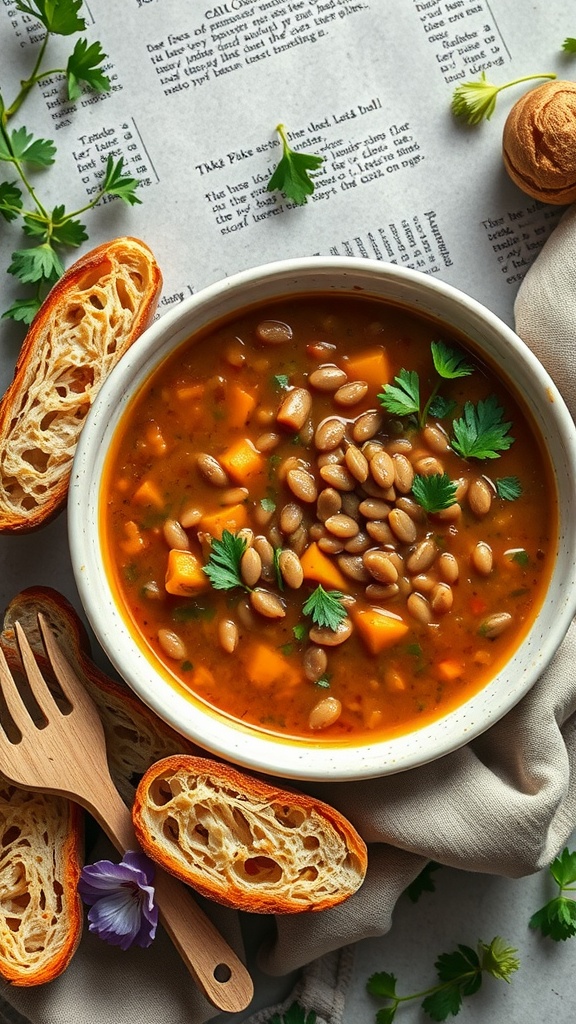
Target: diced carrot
column 241, row 461
column 201, row 677
column 190, row 393
column 319, row 567
column 478, row 605
column 240, row 405
column 371, row 365
column 231, row 517
column 134, row 542
column 379, row 629
column 266, row 666
column 184, row 574
column 148, row 493
column 450, row 669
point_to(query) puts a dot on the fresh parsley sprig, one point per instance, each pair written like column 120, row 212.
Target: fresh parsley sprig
column 223, row 566
column 557, row 918
column 481, row 433
column 475, row 101
column 508, row 487
column 292, row 175
column 402, row 398
column 325, row 608
column 40, row 265
column 459, row 975
column 434, row 493
column 569, row 45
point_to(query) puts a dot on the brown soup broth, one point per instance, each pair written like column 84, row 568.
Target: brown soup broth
column 452, row 625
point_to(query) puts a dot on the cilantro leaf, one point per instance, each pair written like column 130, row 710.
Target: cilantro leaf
column 481, row 433
column 82, row 66
column 508, row 487
column 422, row 883
column 23, row 310
column 463, row 963
column 450, row 363
column 291, row 176
column 40, row 263
column 435, row 492
column 445, row 1001
column 22, row 146
column 563, row 868
column 268, row 504
column 115, row 184
column 382, row 984
column 569, row 45
column 557, row 918
column 299, row 631
column 403, row 397
column 59, row 17
column 223, row 566
column 325, row 608
column 281, row 381
column 441, row 407
column 10, row 200
column 66, row 230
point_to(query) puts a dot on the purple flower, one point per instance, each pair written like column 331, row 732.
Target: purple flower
column 121, row 898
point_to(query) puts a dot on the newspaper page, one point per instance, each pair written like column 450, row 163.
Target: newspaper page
column 197, row 90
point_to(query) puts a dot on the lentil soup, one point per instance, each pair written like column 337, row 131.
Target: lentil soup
column 327, row 518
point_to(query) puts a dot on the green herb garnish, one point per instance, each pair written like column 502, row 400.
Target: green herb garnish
column 292, row 175
column 268, row 504
column 402, row 398
column 481, row 433
column 422, row 883
column 325, row 608
column 40, row 265
column 435, row 492
column 557, row 918
column 281, row 381
column 569, row 45
column 476, row 100
column 508, row 487
column 299, row 631
column 295, row 1014
column 223, row 566
column 459, row 974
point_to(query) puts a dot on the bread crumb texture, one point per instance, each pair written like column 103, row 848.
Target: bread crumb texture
column 246, row 844
column 90, row 318
column 539, row 143
column 40, row 910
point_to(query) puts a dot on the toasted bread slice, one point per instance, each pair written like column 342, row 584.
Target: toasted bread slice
column 90, row 318
column 244, row 842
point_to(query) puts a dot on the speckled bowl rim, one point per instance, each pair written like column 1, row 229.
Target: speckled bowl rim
column 217, row 734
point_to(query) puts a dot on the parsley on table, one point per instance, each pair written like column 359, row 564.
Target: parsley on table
column 40, row 265
column 481, row 433
column 569, row 45
column 292, row 175
column 423, row 882
column 557, row 918
column 295, row 1014
column 473, row 101
column 435, row 492
column 325, row 608
column 223, row 566
column 459, row 974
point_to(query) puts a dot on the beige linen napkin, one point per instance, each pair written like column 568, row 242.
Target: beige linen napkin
column 505, row 804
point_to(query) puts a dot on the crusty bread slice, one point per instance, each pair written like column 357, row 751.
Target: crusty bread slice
column 244, row 842
column 92, row 315
column 41, row 835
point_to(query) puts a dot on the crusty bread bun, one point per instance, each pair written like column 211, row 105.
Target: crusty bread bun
column 539, row 143
column 91, row 316
column 244, row 842
column 41, row 835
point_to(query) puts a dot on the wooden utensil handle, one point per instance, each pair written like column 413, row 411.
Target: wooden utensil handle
column 219, row 973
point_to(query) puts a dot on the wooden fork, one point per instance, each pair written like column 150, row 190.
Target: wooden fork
column 66, row 755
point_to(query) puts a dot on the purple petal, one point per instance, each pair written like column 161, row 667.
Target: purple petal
column 123, row 911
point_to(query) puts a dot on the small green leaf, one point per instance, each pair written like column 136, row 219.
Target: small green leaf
column 444, row 1002
column 223, row 567
column 441, row 407
column 10, row 200
column 481, row 432
column 40, row 263
column 82, row 67
column 24, row 147
column 386, row 1014
column 116, row 184
column 435, row 492
column 422, row 883
column 403, row 397
column 325, row 608
column 453, row 965
column 508, row 487
column 58, row 16
column 563, row 868
column 292, row 175
column 281, row 381
column 382, row 984
column 299, row 631
column 450, row 363
column 268, row 504
column 67, row 231
column 23, row 310
column 569, row 45
column 556, row 919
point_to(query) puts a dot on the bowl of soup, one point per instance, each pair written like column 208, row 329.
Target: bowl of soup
column 322, row 518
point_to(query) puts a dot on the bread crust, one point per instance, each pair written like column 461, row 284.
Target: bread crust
column 244, row 842
column 538, row 143
column 41, row 847
column 92, row 315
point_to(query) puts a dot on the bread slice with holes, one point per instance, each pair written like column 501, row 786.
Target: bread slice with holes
column 90, row 318
column 41, row 836
column 245, row 842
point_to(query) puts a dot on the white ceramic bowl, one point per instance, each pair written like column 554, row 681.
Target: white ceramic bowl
column 218, row 734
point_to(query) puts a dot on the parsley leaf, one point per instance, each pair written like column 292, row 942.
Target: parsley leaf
column 21, row 146
column 508, row 487
column 569, row 45
column 82, row 66
column 281, row 381
column 450, row 363
column 325, row 608
column 223, row 566
column 292, row 176
column 40, row 263
column 116, row 184
column 10, row 200
column 476, row 100
column 422, row 883
column 480, row 433
column 58, row 17
column 435, row 492
column 557, row 918
column 403, row 397
column 440, row 407
column 295, row 1014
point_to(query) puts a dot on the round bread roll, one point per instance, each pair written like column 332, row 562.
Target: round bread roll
column 539, row 143
column 89, row 319
column 244, row 842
